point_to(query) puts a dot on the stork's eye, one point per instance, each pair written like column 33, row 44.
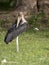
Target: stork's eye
column 7, row 4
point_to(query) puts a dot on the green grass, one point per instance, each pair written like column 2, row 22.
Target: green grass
column 33, row 45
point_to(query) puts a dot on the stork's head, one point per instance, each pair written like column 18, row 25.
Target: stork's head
column 21, row 14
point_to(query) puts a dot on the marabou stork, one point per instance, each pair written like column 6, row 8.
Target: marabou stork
column 16, row 29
